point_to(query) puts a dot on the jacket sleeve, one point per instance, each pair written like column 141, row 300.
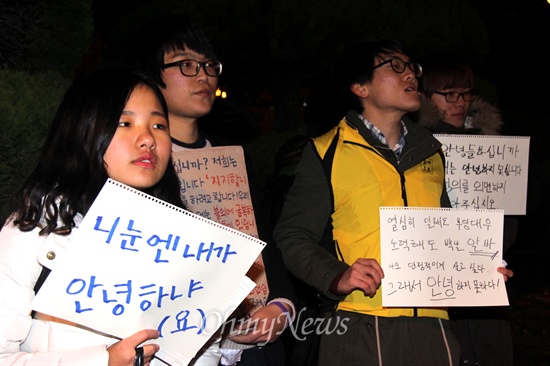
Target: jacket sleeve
column 306, row 211
column 278, row 280
column 27, row 341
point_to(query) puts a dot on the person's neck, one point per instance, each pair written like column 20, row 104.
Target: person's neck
column 185, row 130
column 388, row 123
column 457, row 124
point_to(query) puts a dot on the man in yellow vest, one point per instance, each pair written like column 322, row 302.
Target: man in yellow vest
column 374, row 157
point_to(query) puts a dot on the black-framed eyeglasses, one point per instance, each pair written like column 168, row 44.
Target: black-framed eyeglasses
column 399, row 66
column 452, row 97
column 193, row 67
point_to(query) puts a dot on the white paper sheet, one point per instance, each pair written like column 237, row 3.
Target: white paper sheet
column 139, row 262
column 487, row 172
column 441, row 257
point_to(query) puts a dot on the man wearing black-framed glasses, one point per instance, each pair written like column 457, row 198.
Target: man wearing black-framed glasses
column 329, row 228
column 399, row 66
column 190, row 67
column 374, row 155
column 177, row 54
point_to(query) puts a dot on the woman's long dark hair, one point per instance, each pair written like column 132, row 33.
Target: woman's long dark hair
column 71, row 171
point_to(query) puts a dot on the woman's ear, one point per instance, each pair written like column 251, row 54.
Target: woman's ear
column 360, row 90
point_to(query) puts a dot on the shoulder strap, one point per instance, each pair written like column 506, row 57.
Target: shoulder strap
column 327, row 240
column 446, row 202
column 43, row 275
column 329, row 155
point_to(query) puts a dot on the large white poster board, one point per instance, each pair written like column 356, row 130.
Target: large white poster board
column 487, row 172
column 441, row 257
column 142, row 263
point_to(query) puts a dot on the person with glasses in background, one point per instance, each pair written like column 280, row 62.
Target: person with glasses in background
column 175, row 52
column 449, row 102
column 341, row 181
column 450, row 105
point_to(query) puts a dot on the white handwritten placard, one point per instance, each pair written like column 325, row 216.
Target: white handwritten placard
column 139, row 262
column 487, row 172
column 214, row 184
column 441, row 257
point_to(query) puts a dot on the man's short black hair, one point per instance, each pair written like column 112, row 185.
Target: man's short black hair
column 355, row 65
column 163, row 34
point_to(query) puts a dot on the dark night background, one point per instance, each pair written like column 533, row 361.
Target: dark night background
column 277, row 56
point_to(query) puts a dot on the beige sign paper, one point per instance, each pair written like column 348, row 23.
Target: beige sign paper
column 214, row 184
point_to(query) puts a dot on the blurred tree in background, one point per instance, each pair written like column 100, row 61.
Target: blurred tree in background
column 41, row 45
column 43, row 35
column 276, row 55
column 286, row 45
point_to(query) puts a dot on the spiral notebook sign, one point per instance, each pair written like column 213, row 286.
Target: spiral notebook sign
column 139, row 262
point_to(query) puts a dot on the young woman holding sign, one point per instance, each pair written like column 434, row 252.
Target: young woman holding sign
column 111, row 124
